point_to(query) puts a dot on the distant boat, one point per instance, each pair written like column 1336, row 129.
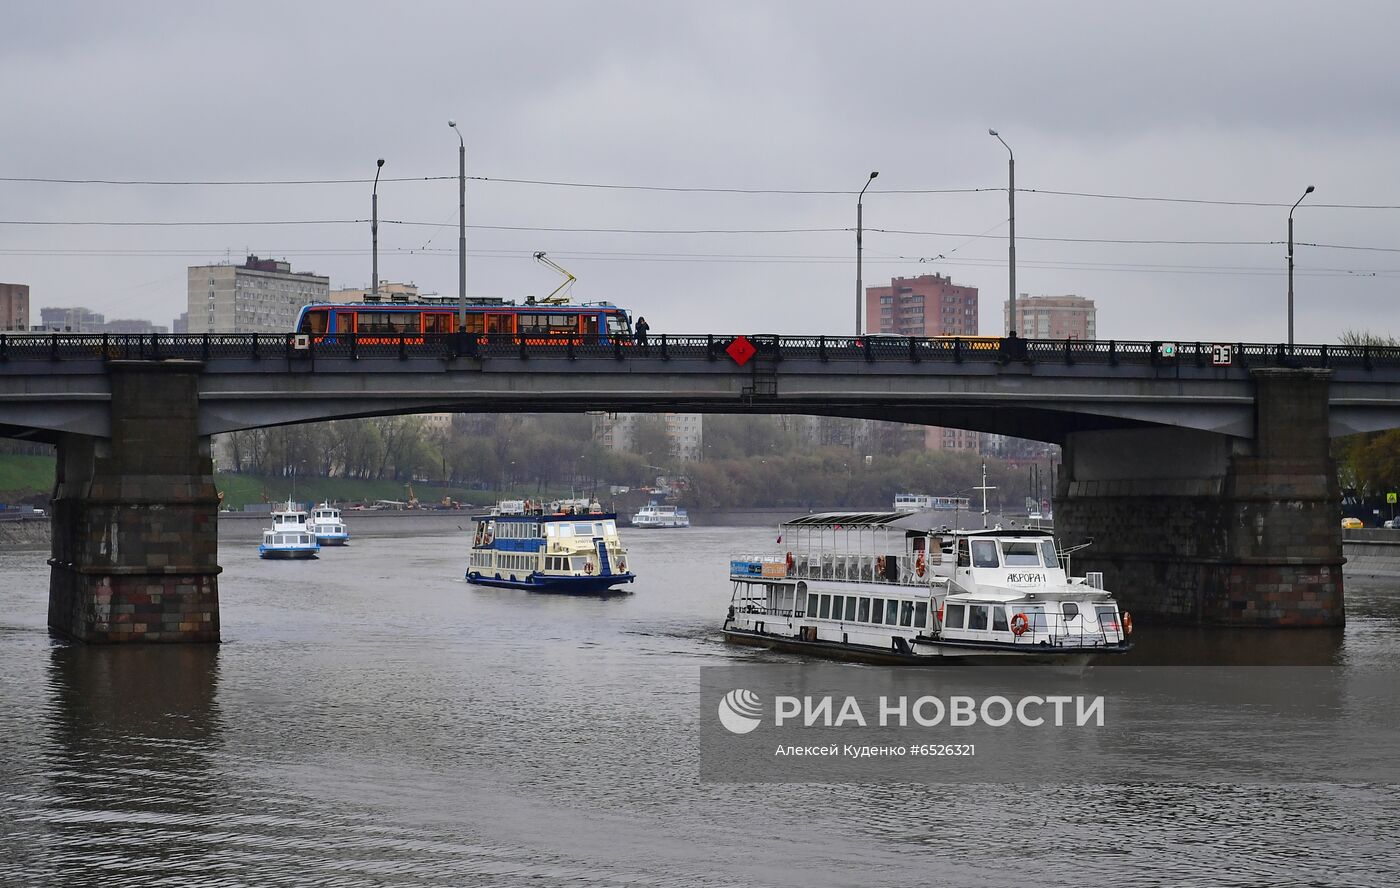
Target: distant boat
column 655, row 515
column 328, row 527
column 570, row 546
column 918, row 502
column 289, row 537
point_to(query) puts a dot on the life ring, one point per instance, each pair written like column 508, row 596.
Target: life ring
column 1127, row 624
column 588, row 567
column 919, row 563
column 880, row 565
column 1020, row 624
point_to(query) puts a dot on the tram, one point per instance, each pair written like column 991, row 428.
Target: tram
column 538, row 324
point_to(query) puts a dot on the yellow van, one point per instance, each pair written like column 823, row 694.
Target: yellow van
column 1351, row 523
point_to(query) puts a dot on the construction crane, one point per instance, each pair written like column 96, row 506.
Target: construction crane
column 555, row 298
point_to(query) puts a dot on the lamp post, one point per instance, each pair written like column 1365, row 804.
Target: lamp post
column 1011, row 202
column 1309, row 190
column 374, row 227
column 461, row 229
column 859, row 232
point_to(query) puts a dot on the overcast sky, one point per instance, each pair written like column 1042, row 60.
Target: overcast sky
column 1237, row 101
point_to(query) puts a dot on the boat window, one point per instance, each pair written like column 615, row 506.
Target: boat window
column 877, row 610
column 1047, row 551
column 1035, row 614
column 891, row 612
column 953, row 616
column 963, row 560
column 850, row 608
column 906, row 613
column 565, row 530
column 977, row 619
column 921, row 614
column 863, row 614
column 584, row 529
column 1020, row 553
column 1070, row 610
column 984, row 553
column 999, row 619
column 610, row 527
column 551, row 530
column 838, row 606
column 1108, row 618
column 824, row 608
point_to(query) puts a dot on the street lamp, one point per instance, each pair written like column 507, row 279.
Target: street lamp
column 859, row 231
column 1309, row 190
column 374, row 226
column 1011, row 201
column 461, row 230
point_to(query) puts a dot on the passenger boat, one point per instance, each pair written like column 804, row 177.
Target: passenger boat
column 569, row 546
column 654, row 514
column 290, row 536
column 899, row 587
column 918, row 502
column 328, row 527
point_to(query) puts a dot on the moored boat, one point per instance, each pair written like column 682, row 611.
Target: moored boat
column 654, row 514
column 289, row 537
column 327, row 525
column 568, row 546
column 899, row 587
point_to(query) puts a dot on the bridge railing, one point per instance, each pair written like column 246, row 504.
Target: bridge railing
column 766, row 350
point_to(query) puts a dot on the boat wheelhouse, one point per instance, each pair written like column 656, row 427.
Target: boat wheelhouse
column 569, row 546
column 328, row 527
column 893, row 586
column 654, row 514
column 290, row 537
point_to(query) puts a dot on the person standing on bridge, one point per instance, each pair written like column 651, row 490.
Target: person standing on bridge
column 641, row 332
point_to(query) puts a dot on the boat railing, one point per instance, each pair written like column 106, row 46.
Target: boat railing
column 829, row 566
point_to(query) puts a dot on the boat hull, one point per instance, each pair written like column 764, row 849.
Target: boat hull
column 287, row 554
column 337, row 540
column 585, row 585
column 929, row 652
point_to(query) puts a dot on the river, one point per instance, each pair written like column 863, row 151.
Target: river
column 372, row 720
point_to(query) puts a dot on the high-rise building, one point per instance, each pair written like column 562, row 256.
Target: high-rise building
column 181, row 324
column 259, row 296
column 14, row 307
column 1053, row 317
column 927, row 305
column 684, row 431
column 56, row 319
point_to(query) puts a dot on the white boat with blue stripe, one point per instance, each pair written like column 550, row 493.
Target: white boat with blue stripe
column 568, row 546
column 328, row 526
column 290, row 537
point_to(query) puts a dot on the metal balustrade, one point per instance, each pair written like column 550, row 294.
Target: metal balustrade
column 769, row 349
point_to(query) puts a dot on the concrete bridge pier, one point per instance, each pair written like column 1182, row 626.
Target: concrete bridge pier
column 1203, row 528
column 135, row 517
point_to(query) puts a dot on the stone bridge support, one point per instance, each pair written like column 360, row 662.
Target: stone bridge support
column 1195, row 527
column 135, row 517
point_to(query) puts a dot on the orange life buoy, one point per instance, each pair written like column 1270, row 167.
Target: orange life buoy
column 588, row 567
column 919, row 563
column 1127, row 624
column 1020, row 623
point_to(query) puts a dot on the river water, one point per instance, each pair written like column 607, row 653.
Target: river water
column 372, row 720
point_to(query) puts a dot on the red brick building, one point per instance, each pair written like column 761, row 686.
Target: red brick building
column 14, row 307
column 927, row 305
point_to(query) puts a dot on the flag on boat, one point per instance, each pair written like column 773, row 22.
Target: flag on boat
column 780, row 538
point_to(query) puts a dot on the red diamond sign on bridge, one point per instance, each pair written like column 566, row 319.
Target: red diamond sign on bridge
column 741, row 350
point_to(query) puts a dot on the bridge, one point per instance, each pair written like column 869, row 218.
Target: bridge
column 1200, row 470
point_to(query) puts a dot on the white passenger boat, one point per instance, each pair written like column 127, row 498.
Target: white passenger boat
column 654, row 514
column 569, row 546
column 328, row 527
column 919, row 502
column 290, row 536
column 893, row 586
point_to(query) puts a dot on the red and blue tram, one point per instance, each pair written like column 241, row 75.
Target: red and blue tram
column 592, row 322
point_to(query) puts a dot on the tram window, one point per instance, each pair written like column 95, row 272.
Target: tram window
column 999, row 619
column 984, row 554
column 1047, row 551
column 977, row 619
column 906, row 613
column 590, row 325
column 390, row 322
column 850, row 608
column 499, row 323
column 824, row 608
column 618, row 325
column 953, row 616
column 476, row 323
column 313, row 322
column 563, row 323
column 877, row 610
column 437, row 323
column 921, row 614
column 1021, row 553
column 531, row 323
column 838, row 605
column 863, row 613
